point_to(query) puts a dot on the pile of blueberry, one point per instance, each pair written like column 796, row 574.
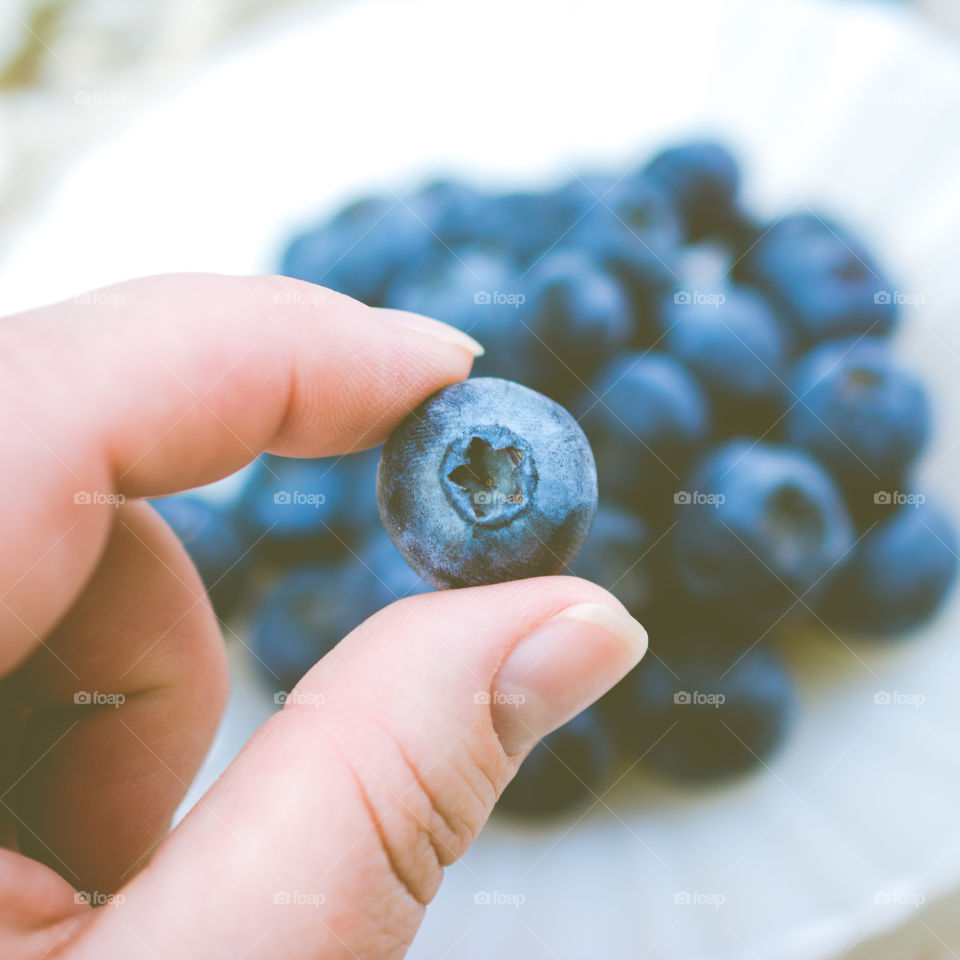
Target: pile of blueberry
column 753, row 428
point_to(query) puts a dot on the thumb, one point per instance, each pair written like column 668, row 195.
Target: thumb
column 329, row 833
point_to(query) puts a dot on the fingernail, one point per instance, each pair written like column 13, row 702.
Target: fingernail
column 562, row 667
column 434, row 329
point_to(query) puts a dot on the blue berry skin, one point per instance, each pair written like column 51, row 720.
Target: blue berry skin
column 294, row 506
column 704, row 712
column 301, row 618
column 764, row 525
column 487, row 481
column 567, row 769
column 737, row 348
column 615, row 556
column 477, row 291
column 645, row 416
column 861, row 412
column 821, row 279
column 215, row 541
column 899, row 574
column 579, row 316
column 702, row 179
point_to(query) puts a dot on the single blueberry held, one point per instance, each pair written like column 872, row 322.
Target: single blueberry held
column 821, row 279
column 645, row 416
column 487, row 481
column 702, row 711
column 760, row 528
column 566, row 769
column 702, row 179
column 899, row 574
column 216, row 542
column 858, row 409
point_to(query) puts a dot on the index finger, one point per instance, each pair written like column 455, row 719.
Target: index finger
column 164, row 383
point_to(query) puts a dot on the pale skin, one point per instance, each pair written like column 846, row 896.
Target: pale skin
column 163, row 384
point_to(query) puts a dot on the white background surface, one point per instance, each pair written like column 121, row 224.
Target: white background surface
column 845, row 106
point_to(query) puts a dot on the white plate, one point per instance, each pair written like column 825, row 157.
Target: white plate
column 849, row 107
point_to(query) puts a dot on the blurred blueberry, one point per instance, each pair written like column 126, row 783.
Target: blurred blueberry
column 702, row 179
column 580, row 317
column 301, row 618
column 737, row 348
column 645, row 415
column 360, row 249
column 615, row 556
column 216, row 543
column 899, row 573
column 701, row 711
column 379, row 575
column 478, row 291
column 759, row 527
column 859, row 411
column 568, row 768
column 294, row 506
column 821, row 279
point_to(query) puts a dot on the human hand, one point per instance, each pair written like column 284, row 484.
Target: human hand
column 356, row 805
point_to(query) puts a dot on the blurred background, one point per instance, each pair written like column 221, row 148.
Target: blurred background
column 778, row 150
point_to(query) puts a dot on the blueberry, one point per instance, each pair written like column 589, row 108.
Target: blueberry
column 702, row 179
column 293, row 506
column 645, row 415
column 216, row 543
column 737, row 349
column 475, row 289
column 566, row 769
column 859, row 411
column 700, row 711
column 580, row 316
column 359, row 251
column 378, row 576
column 823, row 280
column 899, row 573
column 759, row 528
column 301, row 618
column 487, row 481
column 615, row 556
